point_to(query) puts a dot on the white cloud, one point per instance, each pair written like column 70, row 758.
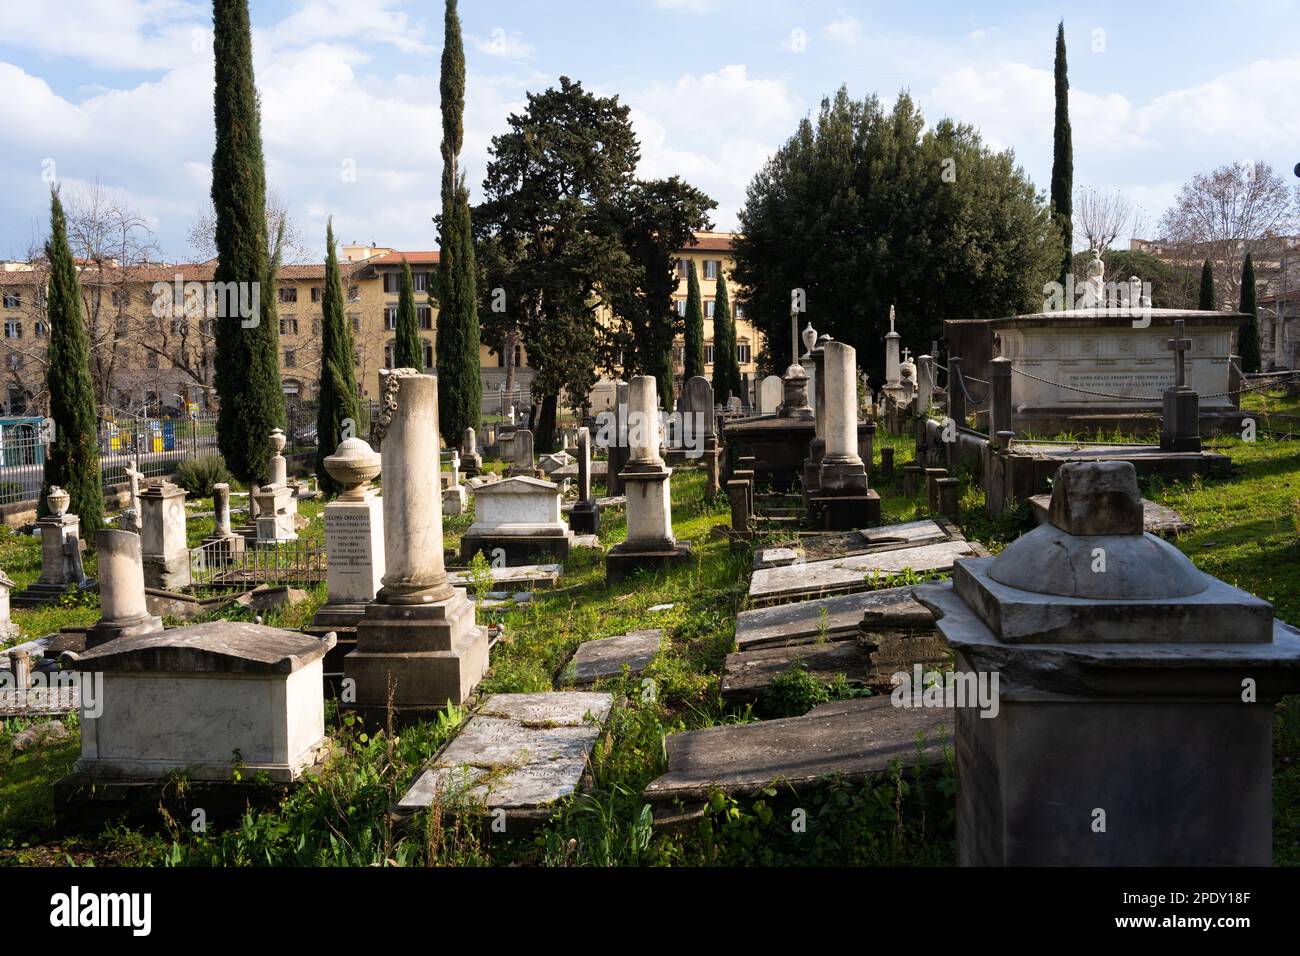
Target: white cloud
column 148, row 35
column 508, row 45
column 374, row 21
column 847, row 30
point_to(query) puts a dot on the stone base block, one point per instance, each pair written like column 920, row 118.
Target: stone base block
column 38, row 594
column 471, row 465
column 105, row 631
column 167, row 574
column 623, row 560
column 454, row 500
column 435, row 655
column 518, row 549
column 846, row 512
column 584, row 518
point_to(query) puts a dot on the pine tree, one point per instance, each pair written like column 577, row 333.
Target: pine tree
column 73, row 460
column 693, row 357
column 247, row 364
column 726, row 368
column 1248, row 339
column 338, row 381
column 1208, row 302
column 408, row 351
column 460, row 390
column 1063, row 159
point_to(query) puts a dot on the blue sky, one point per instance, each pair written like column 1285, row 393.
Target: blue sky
column 120, row 91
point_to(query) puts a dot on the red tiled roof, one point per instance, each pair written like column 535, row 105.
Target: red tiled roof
column 423, row 258
column 711, row 243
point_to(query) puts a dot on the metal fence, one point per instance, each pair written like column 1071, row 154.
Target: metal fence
column 295, row 563
column 154, row 445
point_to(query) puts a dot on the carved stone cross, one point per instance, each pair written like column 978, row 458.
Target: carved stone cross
column 1179, row 345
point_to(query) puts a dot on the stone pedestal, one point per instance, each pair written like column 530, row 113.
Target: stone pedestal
column 204, row 700
column 166, row 553
column 354, row 537
column 1118, row 701
column 61, row 566
column 123, row 609
column 520, row 518
column 584, row 516
column 842, row 501
column 1180, row 429
column 471, row 462
column 650, row 541
column 418, row 639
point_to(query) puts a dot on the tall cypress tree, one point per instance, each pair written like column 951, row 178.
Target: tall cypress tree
column 73, row 460
column 1063, row 160
column 247, row 364
column 726, row 368
column 1209, row 301
column 693, row 356
column 408, row 352
column 1248, row 339
column 338, row 380
column 460, row 390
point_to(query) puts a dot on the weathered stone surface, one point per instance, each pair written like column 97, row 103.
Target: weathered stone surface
column 848, row 739
column 747, row 674
column 842, row 544
column 1157, row 519
column 857, row 573
column 531, row 576
column 836, row 617
column 1096, row 498
column 776, row 557
column 520, row 752
column 216, row 647
column 608, row 656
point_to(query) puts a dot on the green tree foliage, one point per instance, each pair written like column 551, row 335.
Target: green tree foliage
column 1248, row 338
column 338, row 380
column 861, row 208
column 247, row 363
column 726, row 366
column 73, row 459
column 1208, row 301
column 693, row 357
column 1063, row 158
column 408, row 351
column 460, row 390
column 547, row 237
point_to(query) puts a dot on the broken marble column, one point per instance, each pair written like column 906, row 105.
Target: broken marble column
column 277, row 508
column 165, row 550
column 124, row 611
column 354, row 536
column 223, row 539
column 817, row 447
column 584, row 517
column 471, row 462
column 650, row 540
column 1114, row 703
column 842, row 501
column 418, row 638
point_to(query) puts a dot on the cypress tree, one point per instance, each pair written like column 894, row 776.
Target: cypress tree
column 247, row 364
column 1063, row 160
column 73, row 460
column 1248, row 343
column 338, row 380
column 408, row 352
column 460, row 390
column 726, row 370
column 1208, row 302
column 693, row 356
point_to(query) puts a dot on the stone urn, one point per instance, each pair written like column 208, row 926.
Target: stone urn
column 354, row 465
column 277, row 441
column 57, row 499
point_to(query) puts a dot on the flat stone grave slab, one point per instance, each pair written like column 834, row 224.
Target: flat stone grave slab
column 524, row 577
column 587, row 541
column 818, row 547
column 849, row 739
column 1156, row 518
column 745, row 675
column 837, row 617
column 776, row 557
column 595, row 660
column 855, row 573
column 519, row 753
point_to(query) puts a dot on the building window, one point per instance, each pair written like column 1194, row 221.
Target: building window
column 390, row 319
column 42, row 329
column 13, row 300
column 290, row 358
column 121, row 298
column 356, row 357
column 288, row 325
column 354, row 293
column 288, row 296
column 13, row 330
column 16, row 399
column 738, row 310
column 392, row 282
column 356, row 321
column 15, row 361
column 388, row 355
column 681, row 307
column 681, row 268
column 426, row 318
column 519, row 358
column 708, row 355
column 420, row 280
column 742, row 354
column 711, row 268
column 315, row 326
column 317, row 293
column 708, row 308
column 428, row 353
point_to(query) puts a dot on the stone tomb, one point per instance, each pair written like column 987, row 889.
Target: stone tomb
column 519, row 516
column 203, row 700
column 1135, row 694
column 520, row 753
column 61, row 568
